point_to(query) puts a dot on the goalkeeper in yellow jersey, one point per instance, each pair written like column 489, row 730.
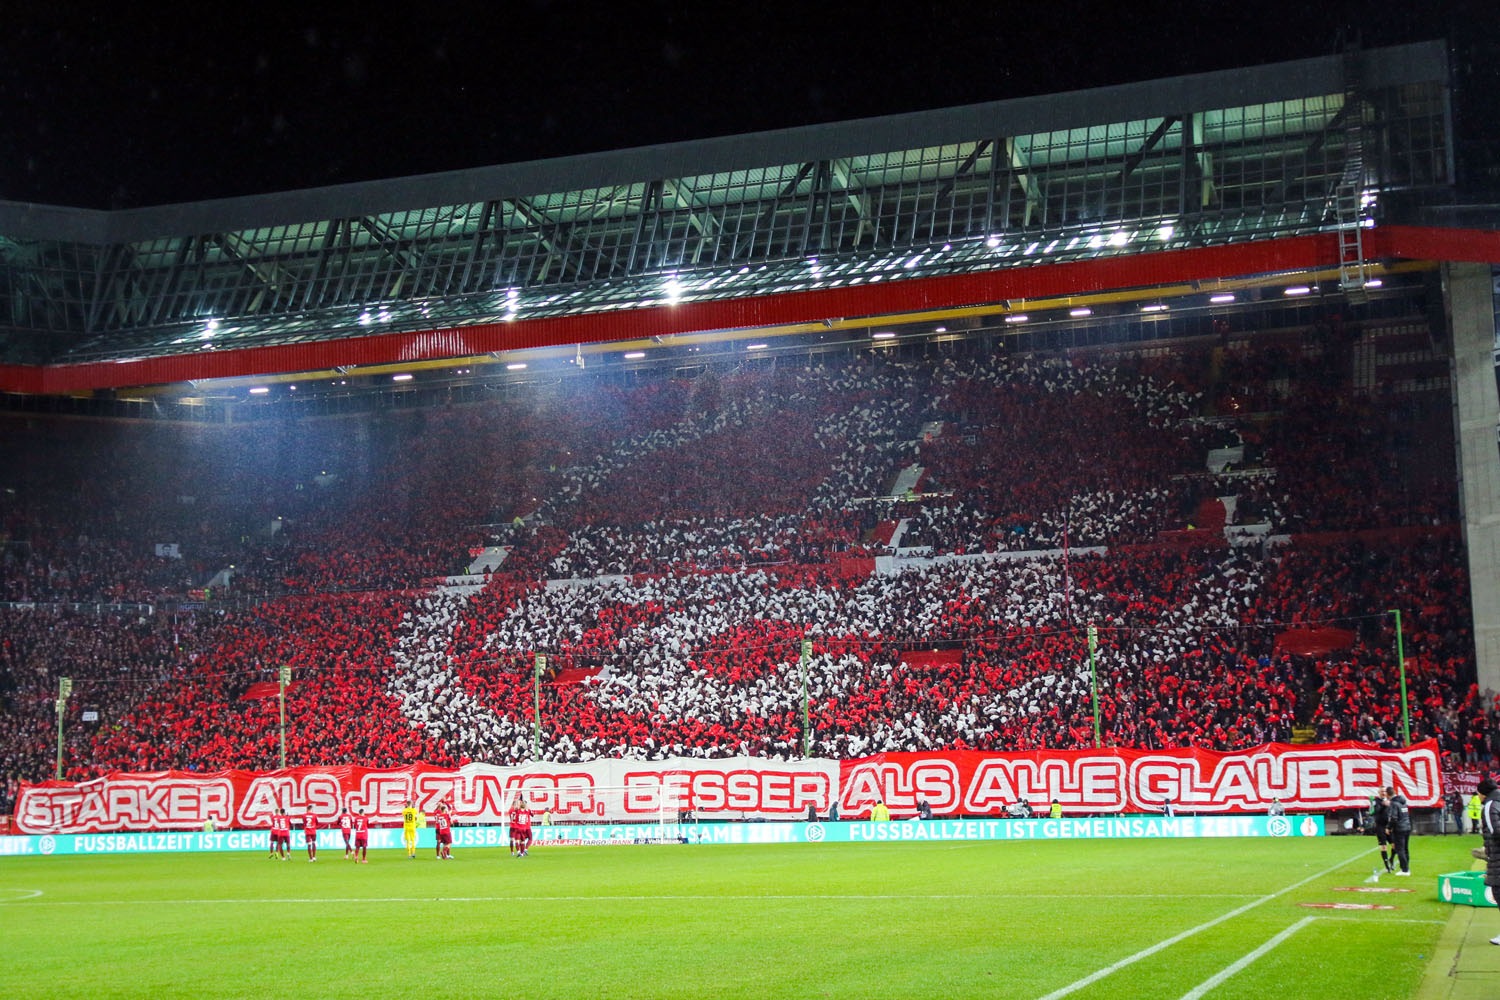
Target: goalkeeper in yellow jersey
column 409, row 828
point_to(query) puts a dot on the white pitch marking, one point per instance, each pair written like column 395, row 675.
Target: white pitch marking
column 1094, row 977
column 29, row 894
column 1214, row 980
column 635, row 898
column 1380, row 920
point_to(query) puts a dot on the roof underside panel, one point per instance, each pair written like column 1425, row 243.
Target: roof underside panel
column 1169, row 177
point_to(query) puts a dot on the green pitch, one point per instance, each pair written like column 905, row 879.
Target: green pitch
column 880, row 920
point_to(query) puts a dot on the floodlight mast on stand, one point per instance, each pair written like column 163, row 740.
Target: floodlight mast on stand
column 283, row 678
column 1094, row 682
column 64, row 688
column 802, row 663
column 1401, row 663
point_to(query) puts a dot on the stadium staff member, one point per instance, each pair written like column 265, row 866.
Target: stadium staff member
column 1400, row 819
column 1489, row 819
column 1056, row 812
column 1476, row 807
column 879, row 813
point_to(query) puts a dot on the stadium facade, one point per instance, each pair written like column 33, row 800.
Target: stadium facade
column 1130, row 213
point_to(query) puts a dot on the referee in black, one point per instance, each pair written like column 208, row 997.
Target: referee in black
column 1380, row 818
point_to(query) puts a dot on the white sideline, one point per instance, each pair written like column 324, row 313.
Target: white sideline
column 1094, row 977
column 1214, row 980
column 631, row 898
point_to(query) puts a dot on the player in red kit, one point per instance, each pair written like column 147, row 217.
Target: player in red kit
column 346, row 827
column 362, row 838
column 310, row 835
column 281, row 834
column 442, row 825
column 521, row 829
column 513, row 827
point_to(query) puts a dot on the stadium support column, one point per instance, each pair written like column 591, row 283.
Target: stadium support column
column 1471, row 313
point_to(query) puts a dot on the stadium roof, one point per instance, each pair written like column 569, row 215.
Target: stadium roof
column 511, row 256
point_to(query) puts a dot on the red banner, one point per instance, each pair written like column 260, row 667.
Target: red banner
column 1465, row 783
column 1304, row 778
column 962, row 783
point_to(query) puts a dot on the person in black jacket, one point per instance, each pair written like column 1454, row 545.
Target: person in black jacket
column 1380, row 819
column 1400, row 819
column 1489, row 825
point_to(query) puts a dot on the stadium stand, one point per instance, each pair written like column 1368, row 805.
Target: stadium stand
column 1235, row 520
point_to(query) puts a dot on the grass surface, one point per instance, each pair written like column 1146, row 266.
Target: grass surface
column 1017, row 919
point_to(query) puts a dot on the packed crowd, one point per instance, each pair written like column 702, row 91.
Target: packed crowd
column 982, row 653
column 709, row 528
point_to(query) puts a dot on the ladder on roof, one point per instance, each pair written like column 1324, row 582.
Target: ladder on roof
column 1348, row 196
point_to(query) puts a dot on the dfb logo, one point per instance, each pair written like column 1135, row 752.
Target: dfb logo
column 47, row 845
column 1278, row 826
column 815, row 833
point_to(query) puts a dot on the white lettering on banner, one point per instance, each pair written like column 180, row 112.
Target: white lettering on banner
column 1084, row 782
column 266, row 795
column 934, row 781
column 750, row 791
column 381, row 794
column 1312, row 779
column 1304, row 778
column 487, row 795
column 128, row 804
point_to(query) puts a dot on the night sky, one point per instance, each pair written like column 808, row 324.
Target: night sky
column 116, row 110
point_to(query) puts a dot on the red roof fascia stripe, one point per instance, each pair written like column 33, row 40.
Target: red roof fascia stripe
column 1041, row 281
